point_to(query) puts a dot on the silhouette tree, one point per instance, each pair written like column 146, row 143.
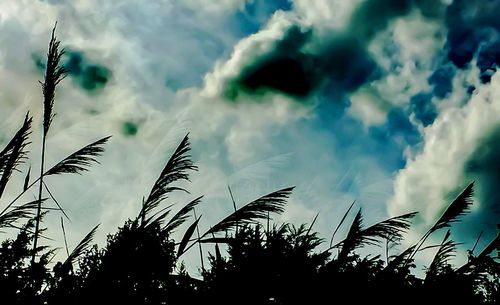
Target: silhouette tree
column 277, row 266
column 22, row 281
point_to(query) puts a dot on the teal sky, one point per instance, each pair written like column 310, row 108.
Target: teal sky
column 392, row 103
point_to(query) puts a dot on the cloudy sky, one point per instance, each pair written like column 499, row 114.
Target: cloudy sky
column 392, row 103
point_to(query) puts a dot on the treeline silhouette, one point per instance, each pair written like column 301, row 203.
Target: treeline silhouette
column 253, row 261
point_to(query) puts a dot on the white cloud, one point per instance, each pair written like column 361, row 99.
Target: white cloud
column 407, row 52
column 431, row 175
column 369, row 107
column 329, row 14
column 253, row 46
column 216, row 7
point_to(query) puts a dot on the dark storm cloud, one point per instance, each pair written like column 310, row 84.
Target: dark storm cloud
column 483, row 166
column 89, row 76
column 285, row 68
column 341, row 63
column 473, row 31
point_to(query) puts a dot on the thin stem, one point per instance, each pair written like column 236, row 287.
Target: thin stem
column 199, row 244
column 477, row 241
column 39, row 207
column 387, row 252
column 55, row 200
column 194, row 241
column 234, row 205
column 420, row 243
column 341, row 222
column 268, row 225
column 64, row 236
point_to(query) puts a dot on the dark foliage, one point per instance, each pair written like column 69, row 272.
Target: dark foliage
column 278, row 266
column 134, row 268
column 14, row 153
column 21, row 281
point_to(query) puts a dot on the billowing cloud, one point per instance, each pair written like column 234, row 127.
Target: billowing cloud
column 381, row 59
column 302, row 61
column 459, row 147
column 482, row 166
column 460, row 110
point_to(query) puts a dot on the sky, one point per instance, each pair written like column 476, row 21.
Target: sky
column 392, row 103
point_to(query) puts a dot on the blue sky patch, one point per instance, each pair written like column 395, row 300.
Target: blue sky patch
column 256, row 13
column 442, row 80
column 423, row 108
